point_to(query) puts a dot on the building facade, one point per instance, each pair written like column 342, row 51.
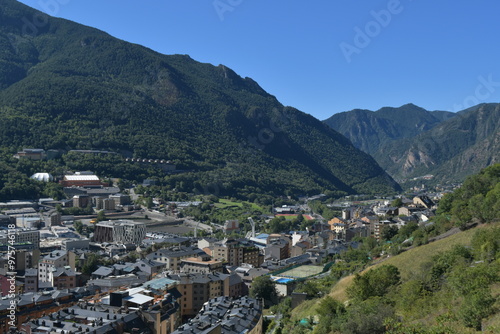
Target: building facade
column 50, row 263
column 120, row 231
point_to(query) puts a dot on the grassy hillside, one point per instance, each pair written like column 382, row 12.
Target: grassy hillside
column 435, row 310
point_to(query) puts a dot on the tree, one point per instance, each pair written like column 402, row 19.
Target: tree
column 264, row 288
column 388, row 232
column 101, row 216
column 486, row 244
column 476, row 306
column 329, row 307
column 91, row 264
column 398, row 202
column 375, row 283
column 313, row 288
column 368, row 316
column 78, row 226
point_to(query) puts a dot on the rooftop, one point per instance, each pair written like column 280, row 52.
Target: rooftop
column 81, row 178
column 230, row 315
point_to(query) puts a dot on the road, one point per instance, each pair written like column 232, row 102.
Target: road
column 190, row 222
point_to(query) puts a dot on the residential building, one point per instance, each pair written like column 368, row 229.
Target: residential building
column 83, row 318
column 235, row 252
column 33, row 305
column 370, row 222
column 150, row 266
column 300, row 248
column 52, row 218
column 197, row 265
column 29, row 279
column 120, row 199
column 50, row 263
column 337, row 224
column 197, row 289
column 424, row 201
column 21, row 236
column 408, row 210
column 105, row 204
column 64, row 278
column 111, row 283
column 81, row 201
column 173, row 256
column 226, row 315
column 278, row 249
column 206, row 242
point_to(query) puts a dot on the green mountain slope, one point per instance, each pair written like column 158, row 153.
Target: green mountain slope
column 450, row 151
column 370, row 130
column 67, row 86
column 449, row 285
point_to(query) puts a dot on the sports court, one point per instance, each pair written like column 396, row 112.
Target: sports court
column 302, row 271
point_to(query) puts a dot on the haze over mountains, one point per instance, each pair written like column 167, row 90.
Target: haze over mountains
column 370, row 130
column 411, row 142
column 68, row 86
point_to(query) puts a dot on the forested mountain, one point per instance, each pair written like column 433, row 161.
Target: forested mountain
column 450, row 151
column 370, row 130
column 411, row 142
column 68, row 86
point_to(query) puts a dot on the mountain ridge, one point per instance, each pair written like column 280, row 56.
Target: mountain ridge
column 368, row 130
column 80, row 88
column 410, row 142
column 452, row 150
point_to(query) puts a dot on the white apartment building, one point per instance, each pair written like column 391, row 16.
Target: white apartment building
column 49, row 263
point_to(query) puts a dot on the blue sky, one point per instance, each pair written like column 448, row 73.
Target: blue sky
column 323, row 56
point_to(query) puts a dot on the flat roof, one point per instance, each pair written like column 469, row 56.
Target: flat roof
column 139, row 299
column 197, row 260
column 81, row 178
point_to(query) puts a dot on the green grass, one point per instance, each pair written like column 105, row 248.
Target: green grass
column 225, row 203
column 290, row 217
column 410, row 263
column 302, row 271
column 338, row 291
column 305, row 309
